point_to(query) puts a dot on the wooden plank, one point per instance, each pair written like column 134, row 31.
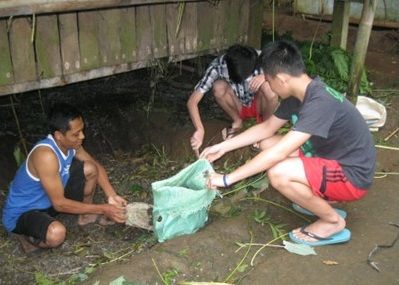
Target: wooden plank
column 158, row 19
column 219, row 40
column 6, row 72
column 69, row 38
column 175, row 44
column 88, row 43
column 243, row 22
column 189, row 28
column 144, row 33
column 255, row 23
column 22, row 51
column 205, row 25
column 108, row 22
column 127, row 35
column 23, row 7
column 47, row 45
column 232, row 16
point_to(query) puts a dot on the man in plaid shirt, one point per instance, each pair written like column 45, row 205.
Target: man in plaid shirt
column 239, row 88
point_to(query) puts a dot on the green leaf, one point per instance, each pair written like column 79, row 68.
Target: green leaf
column 122, row 281
column 18, row 155
column 261, row 184
column 242, row 268
column 136, row 188
column 301, row 249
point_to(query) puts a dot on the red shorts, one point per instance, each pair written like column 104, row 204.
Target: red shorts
column 327, row 180
column 251, row 112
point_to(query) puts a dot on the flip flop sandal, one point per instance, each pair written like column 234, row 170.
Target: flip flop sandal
column 255, row 147
column 303, row 211
column 228, row 133
column 340, row 237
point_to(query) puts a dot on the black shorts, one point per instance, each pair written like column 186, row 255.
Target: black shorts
column 35, row 223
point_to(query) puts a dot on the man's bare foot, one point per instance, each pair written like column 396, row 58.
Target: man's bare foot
column 104, row 221
column 26, row 244
column 320, row 228
column 92, row 218
column 87, row 219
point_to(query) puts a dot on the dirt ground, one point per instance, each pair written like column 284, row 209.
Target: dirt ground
column 150, row 146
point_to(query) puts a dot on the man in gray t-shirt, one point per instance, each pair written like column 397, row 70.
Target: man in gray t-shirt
column 328, row 155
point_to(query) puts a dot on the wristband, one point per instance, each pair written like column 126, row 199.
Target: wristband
column 225, row 180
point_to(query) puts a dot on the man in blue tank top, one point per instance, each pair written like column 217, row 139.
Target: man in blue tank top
column 58, row 176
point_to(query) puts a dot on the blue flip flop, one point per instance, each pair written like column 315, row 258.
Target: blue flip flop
column 301, row 210
column 340, row 237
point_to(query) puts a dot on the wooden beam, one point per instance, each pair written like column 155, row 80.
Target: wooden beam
column 23, row 7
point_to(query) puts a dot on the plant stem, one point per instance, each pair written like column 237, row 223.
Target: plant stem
column 18, row 126
column 386, row 147
column 265, row 245
column 159, row 273
column 241, row 261
column 243, row 186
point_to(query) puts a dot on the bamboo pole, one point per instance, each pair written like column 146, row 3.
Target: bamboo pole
column 360, row 49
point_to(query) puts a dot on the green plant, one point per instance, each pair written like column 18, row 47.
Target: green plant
column 261, row 218
column 332, row 65
column 160, row 158
column 169, row 276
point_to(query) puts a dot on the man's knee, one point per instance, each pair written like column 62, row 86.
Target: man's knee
column 277, row 176
column 56, row 233
column 90, row 170
column 220, row 87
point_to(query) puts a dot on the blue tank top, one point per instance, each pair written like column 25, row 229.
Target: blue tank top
column 26, row 191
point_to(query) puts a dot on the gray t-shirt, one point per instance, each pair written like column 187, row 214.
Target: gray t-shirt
column 338, row 130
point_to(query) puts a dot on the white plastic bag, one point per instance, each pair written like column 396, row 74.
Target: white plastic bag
column 373, row 112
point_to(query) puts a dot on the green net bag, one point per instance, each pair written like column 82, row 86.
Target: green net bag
column 181, row 202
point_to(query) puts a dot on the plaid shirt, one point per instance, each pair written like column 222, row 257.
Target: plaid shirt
column 217, row 70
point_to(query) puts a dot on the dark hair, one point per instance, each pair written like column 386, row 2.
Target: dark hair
column 60, row 115
column 282, row 57
column 241, row 62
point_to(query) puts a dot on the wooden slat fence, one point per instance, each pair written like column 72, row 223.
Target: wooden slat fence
column 61, row 47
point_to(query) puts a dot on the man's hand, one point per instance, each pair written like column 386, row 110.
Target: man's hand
column 197, row 139
column 115, row 213
column 214, row 180
column 117, row 200
column 213, row 153
column 256, row 83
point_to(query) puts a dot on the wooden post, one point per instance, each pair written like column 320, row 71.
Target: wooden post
column 362, row 41
column 255, row 23
column 340, row 23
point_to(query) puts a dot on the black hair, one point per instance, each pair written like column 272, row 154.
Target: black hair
column 241, row 62
column 282, row 57
column 60, row 115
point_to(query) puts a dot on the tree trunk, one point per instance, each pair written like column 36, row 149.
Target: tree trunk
column 360, row 49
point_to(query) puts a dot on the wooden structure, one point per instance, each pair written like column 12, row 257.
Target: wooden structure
column 50, row 43
column 343, row 12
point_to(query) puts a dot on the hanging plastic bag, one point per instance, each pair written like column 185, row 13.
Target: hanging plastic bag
column 373, row 112
column 181, row 202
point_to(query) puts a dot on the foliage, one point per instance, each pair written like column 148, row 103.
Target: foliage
column 261, row 218
column 332, row 65
column 18, row 156
column 42, row 279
